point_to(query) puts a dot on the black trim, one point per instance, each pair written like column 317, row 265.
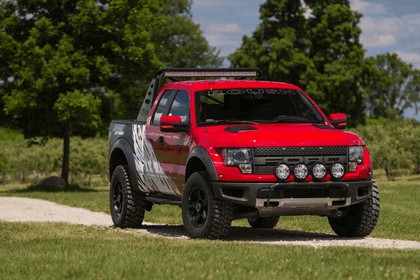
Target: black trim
column 203, row 155
column 246, row 193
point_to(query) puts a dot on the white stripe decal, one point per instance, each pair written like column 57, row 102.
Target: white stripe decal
column 150, row 175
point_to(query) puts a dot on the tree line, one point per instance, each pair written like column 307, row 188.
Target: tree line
column 68, row 67
column 315, row 44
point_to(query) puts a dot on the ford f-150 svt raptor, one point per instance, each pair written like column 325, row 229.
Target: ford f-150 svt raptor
column 231, row 146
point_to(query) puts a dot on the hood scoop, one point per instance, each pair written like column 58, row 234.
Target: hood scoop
column 236, row 129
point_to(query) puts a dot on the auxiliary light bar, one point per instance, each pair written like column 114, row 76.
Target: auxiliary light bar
column 180, row 73
column 177, row 74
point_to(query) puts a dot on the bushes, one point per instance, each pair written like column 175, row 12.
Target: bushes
column 30, row 163
column 394, row 145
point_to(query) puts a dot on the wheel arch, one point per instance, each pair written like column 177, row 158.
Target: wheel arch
column 199, row 159
column 122, row 154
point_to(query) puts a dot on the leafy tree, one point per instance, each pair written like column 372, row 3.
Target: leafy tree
column 392, row 86
column 173, row 39
column 67, row 65
column 278, row 45
column 321, row 52
column 337, row 56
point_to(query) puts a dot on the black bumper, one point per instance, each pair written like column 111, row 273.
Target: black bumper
column 294, row 198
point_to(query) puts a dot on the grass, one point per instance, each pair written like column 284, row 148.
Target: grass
column 399, row 218
column 43, row 251
column 40, row 251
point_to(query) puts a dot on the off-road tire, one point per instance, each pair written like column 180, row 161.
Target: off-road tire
column 126, row 203
column 263, row 222
column 204, row 215
column 360, row 219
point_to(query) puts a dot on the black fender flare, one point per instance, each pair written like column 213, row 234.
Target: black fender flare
column 201, row 153
column 123, row 145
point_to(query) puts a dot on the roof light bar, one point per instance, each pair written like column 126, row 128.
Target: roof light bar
column 177, row 73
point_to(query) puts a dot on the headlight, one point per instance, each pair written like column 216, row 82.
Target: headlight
column 238, row 157
column 356, row 154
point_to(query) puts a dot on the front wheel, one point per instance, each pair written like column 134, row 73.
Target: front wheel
column 127, row 204
column 359, row 219
column 204, row 216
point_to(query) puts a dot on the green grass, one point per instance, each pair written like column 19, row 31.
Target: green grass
column 46, row 251
column 42, row 251
column 399, row 217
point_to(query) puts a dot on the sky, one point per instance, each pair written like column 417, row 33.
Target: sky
column 387, row 26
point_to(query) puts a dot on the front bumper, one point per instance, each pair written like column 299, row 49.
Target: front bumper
column 294, row 198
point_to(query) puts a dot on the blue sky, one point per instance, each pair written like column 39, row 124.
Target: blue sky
column 387, row 25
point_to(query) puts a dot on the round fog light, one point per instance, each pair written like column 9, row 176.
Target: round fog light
column 337, row 170
column 282, row 171
column 300, row 171
column 319, row 171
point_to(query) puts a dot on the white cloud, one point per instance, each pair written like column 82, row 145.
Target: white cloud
column 368, row 7
column 224, row 27
column 413, row 23
column 207, row 3
column 379, row 32
column 412, row 58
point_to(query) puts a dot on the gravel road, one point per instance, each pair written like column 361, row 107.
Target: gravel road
column 19, row 209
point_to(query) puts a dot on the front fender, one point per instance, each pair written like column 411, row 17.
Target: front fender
column 201, row 154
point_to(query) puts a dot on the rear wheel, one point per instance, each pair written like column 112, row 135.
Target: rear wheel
column 126, row 203
column 359, row 219
column 260, row 222
column 204, row 216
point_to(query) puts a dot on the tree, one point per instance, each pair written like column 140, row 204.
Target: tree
column 392, row 86
column 65, row 65
column 278, row 45
column 176, row 41
column 319, row 50
column 337, row 56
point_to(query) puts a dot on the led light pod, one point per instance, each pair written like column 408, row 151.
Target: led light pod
column 337, row 170
column 282, row 171
column 319, row 171
column 300, row 171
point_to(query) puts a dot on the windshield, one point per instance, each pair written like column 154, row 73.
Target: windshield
column 254, row 105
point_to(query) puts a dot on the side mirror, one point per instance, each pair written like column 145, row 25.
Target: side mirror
column 338, row 120
column 173, row 124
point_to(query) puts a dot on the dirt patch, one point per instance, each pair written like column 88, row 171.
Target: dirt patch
column 19, row 209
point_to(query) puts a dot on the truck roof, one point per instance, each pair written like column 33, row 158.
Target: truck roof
column 218, row 84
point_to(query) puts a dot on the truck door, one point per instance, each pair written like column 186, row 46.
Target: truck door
column 171, row 148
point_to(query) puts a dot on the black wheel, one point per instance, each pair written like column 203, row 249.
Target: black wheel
column 204, row 216
column 127, row 204
column 360, row 219
column 260, row 222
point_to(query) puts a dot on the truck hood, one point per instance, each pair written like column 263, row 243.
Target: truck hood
column 278, row 135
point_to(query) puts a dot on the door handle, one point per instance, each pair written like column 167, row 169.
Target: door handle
column 161, row 141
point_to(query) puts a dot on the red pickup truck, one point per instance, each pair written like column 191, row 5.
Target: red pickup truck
column 224, row 145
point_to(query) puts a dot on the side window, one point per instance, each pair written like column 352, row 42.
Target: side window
column 162, row 106
column 181, row 106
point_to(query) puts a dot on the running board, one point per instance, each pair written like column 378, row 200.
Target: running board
column 163, row 200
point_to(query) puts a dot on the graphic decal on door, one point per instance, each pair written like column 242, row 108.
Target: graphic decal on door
column 150, row 175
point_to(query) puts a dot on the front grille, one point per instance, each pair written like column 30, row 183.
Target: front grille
column 265, row 160
column 300, row 151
